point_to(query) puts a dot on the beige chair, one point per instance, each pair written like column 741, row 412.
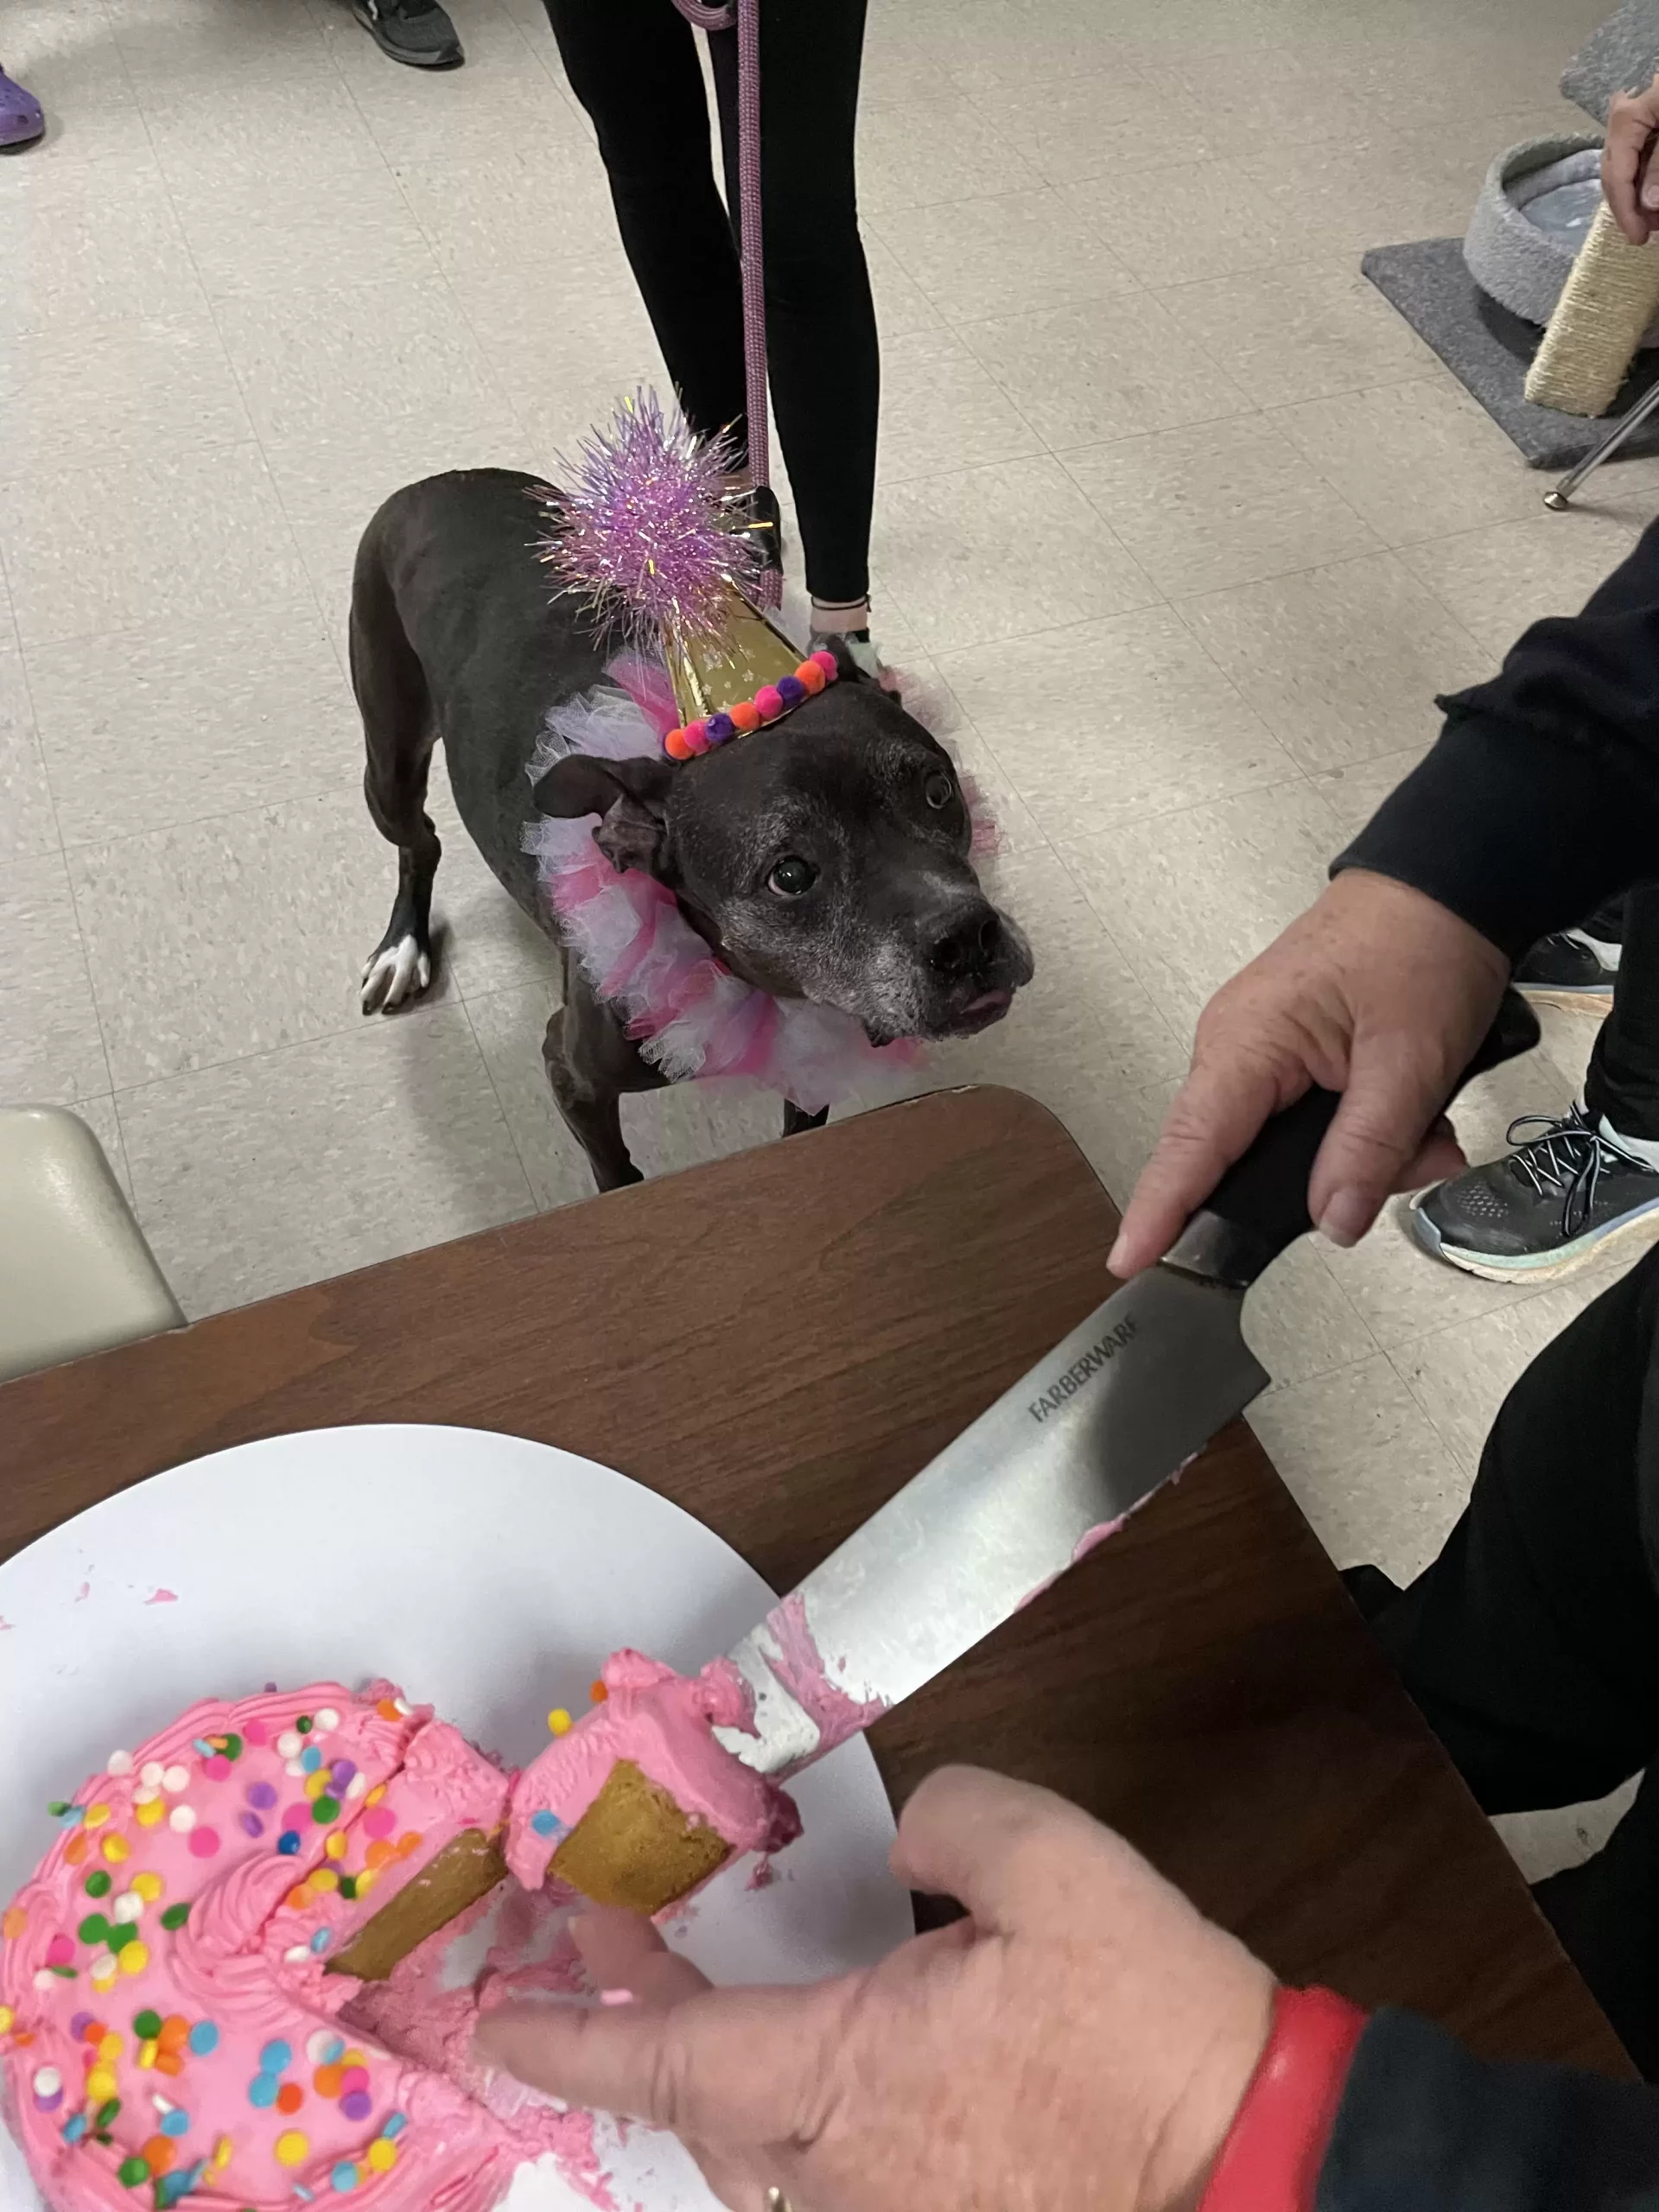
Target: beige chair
column 76, row 1274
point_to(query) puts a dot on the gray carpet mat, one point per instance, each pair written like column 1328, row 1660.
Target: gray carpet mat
column 1489, row 351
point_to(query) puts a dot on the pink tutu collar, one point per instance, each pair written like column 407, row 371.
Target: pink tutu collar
column 690, row 1016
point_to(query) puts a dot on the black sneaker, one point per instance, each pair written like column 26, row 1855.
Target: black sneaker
column 415, row 31
column 1570, row 968
column 1544, row 1209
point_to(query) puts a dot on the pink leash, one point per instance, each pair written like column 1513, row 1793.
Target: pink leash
column 747, row 16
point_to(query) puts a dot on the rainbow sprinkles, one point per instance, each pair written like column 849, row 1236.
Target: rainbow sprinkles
column 168, row 2033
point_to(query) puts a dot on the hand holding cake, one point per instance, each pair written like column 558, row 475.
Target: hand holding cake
column 1083, row 2039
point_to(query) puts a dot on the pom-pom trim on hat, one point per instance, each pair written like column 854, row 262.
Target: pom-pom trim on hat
column 770, row 704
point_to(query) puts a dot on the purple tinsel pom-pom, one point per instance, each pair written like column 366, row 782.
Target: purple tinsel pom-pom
column 791, row 691
column 719, row 727
column 642, row 525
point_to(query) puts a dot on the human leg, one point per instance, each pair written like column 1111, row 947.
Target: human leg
column 821, row 338
column 1531, row 1645
column 633, row 64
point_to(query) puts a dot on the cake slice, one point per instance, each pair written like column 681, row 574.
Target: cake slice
column 638, row 1802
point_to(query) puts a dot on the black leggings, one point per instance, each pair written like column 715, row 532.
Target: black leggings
column 633, row 66
column 1623, row 1082
column 1532, row 1644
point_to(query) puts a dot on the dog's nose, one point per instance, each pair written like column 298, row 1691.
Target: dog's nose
column 970, row 941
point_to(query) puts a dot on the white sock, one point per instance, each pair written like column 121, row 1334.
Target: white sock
column 1607, row 954
column 1646, row 1149
column 843, row 614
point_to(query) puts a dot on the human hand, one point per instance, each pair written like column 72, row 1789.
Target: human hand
column 1083, row 2037
column 1378, row 991
column 1628, row 189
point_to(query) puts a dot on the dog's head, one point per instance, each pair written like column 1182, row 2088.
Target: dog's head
column 823, row 858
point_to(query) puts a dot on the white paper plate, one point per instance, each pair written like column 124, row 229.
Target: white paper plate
column 486, row 1575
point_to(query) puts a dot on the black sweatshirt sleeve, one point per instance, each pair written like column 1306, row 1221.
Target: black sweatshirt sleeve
column 1540, row 797
column 1425, row 2127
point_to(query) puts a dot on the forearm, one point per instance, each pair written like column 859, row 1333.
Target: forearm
column 1541, row 797
column 1425, row 2127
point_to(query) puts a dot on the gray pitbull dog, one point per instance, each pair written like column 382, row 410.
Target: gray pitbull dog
column 825, row 858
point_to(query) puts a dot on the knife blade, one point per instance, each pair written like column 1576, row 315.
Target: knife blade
column 1054, row 1465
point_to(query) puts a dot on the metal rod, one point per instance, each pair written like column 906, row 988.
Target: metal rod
column 1562, row 497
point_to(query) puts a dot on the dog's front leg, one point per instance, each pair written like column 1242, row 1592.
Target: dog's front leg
column 590, row 1062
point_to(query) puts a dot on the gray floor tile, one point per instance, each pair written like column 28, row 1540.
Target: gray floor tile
column 67, row 57
column 144, row 538
column 279, row 123
column 1114, row 720
column 146, row 729
column 81, row 395
column 1190, row 897
column 297, row 1164
column 310, row 365
column 27, row 822
column 1225, row 503
column 1020, row 250
column 1365, row 1464
column 1341, row 663
column 1101, row 369
column 1418, row 461
column 941, row 410
column 219, row 939
column 330, row 487
column 51, row 1051
column 270, row 238
column 955, row 554
column 1299, row 332
column 76, row 252
column 1498, row 581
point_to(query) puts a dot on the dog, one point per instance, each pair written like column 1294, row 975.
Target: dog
column 823, row 858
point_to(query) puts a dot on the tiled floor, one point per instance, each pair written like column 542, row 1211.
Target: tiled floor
column 1181, row 523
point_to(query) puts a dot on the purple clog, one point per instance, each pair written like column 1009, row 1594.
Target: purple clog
column 21, row 120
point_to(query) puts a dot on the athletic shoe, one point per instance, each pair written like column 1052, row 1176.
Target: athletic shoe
column 1544, row 1209
column 415, row 31
column 21, row 120
column 1572, row 968
column 857, row 642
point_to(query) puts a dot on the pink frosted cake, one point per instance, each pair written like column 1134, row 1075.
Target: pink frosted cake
column 169, row 2029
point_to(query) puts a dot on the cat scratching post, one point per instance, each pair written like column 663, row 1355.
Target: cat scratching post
column 1607, row 304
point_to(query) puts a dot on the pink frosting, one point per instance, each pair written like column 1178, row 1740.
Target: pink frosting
column 663, row 1724
column 800, row 1668
column 276, row 1825
column 197, row 1814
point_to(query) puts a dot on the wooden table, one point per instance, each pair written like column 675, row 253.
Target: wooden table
column 777, row 1342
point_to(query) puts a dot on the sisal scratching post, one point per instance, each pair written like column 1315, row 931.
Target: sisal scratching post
column 1607, row 303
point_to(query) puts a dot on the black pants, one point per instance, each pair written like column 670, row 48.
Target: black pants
column 1531, row 1645
column 633, row 66
column 1623, row 1081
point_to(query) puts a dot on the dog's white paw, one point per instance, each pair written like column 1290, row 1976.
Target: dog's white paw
column 399, row 972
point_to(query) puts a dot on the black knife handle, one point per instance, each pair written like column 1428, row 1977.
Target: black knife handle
column 1260, row 1205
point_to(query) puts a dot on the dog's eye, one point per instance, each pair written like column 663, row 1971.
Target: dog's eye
column 792, row 877
column 938, row 791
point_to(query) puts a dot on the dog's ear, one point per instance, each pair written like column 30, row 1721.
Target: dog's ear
column 630, row 797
